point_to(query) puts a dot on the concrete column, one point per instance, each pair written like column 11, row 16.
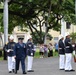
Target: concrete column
column 15, row 37
column 5, row 21
column 63, row 27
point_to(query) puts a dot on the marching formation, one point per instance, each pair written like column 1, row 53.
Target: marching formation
column 17, row 52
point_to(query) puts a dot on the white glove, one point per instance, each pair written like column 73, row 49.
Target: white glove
column 8, row 50
column 73, row 45
column 13, row 59
column 73, row 52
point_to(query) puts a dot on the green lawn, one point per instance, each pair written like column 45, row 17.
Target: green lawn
column 55, row 54
column 37, row 54
column 1, row 58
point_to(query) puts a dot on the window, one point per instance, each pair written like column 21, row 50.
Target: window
column 55, row 39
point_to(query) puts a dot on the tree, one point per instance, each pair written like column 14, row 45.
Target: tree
column 1, row 17
column 28, row 9
column 38, row 13
column 1, row 26
column 40, row 40
column 73, row 36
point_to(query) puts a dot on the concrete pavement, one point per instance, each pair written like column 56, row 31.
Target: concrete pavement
column 41, row 66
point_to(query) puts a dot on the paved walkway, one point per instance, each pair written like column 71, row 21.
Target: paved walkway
column 41, row 66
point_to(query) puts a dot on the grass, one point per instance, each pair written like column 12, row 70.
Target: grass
column 37, row 54
column 1, row 58
column 1, row 55
column 55, row 54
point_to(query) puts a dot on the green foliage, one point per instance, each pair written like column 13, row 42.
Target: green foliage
column 70, row 14
column 1, row 22
column 1, row 5
column 73, row 36
column 1, row 18
column 24, row 12
column 40, row 38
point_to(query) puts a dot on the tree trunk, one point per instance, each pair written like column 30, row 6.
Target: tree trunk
column 46, row 25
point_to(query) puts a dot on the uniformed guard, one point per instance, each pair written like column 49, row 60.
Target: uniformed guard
column 68, row 53
column 61, row 53
column 20, row 55
column 74, row 51
column 30, row 54
column 10, row 54
column 5, row 52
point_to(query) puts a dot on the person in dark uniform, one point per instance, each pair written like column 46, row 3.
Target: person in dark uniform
column 4, row 52
column 50, row 47
column 68, row 53
column 61, row 53
column 10, row 54
column 30, row 54
column 20, row 55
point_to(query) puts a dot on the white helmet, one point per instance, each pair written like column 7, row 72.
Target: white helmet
column 67, row 33
column 60, row 37
column 11, row 37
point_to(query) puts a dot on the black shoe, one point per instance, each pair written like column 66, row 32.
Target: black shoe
column 61, row 69
column 30, row 71
column 72, row 70
column 10, row 71
column 24, row 72
column 67, row 70
column 13, row 70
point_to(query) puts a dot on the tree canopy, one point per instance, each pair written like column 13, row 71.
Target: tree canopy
column 22, row 10
column 73, row 37
column 35, row 14
column 39, row 41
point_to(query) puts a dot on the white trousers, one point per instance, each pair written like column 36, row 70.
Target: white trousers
column 11, row 63
column 61, row 61
column 68, row 65
column 30, row 62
